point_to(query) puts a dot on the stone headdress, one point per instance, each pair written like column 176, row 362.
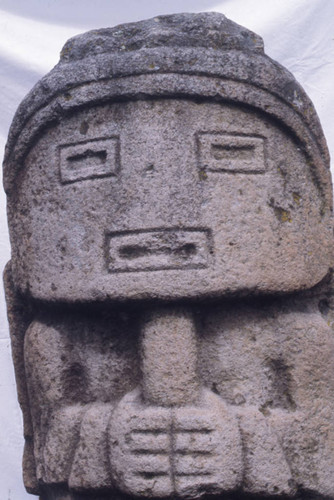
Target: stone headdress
column 196, row 56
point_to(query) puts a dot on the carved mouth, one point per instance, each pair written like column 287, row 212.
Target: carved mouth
column 157, row 249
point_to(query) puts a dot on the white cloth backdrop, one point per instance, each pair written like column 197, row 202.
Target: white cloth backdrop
column 297, row 33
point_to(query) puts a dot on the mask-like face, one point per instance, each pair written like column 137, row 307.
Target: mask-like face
column 167, row 199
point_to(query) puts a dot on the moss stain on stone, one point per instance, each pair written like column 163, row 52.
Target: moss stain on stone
column 282, row 214
column 296, row 198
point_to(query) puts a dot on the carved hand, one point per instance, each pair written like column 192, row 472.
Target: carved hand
column 157, row 452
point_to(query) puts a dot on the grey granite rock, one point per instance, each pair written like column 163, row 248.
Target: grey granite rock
column 170, row 213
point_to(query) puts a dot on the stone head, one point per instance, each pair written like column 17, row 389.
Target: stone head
column 165, row 160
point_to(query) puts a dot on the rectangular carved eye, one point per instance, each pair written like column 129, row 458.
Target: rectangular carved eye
column 89, row 159
column 220, row 152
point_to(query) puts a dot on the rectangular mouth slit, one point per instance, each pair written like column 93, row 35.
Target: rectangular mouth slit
column 157, row 249
column 135, row 251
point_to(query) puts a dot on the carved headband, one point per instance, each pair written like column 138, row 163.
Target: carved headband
column 139, row 60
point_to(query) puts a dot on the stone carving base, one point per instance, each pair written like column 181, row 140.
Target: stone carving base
column 60, row 493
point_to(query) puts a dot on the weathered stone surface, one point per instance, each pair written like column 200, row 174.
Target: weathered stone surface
column 170, row 211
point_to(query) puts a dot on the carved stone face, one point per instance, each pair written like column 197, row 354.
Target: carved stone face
column 132, row 200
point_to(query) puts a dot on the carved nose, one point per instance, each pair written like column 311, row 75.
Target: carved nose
column 169, row 357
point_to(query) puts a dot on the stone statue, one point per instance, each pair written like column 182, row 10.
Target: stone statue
column 170, row 213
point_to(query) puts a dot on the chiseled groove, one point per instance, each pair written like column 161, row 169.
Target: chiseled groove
column 142, row 451
column 151, row 475
column 193, row 431
column 172, row 450
column 194, row 453
column 193, row 474
column 149, row 431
